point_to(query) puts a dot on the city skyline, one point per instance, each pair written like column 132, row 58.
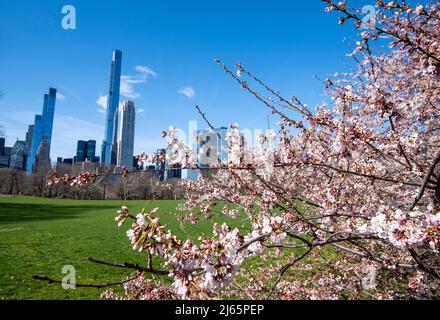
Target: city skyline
column 196, row 152
column 168, row 64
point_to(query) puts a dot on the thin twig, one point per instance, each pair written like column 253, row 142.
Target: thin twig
column 90, row 285
column 128, row 265
column 287, row 267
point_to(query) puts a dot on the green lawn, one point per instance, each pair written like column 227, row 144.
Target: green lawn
column 40, row 236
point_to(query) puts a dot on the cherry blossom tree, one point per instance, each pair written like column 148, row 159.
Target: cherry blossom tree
column 353, row 183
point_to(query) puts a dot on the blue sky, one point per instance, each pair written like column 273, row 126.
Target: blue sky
column 284, row 42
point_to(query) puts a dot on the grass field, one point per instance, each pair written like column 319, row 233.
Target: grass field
column 40, row 236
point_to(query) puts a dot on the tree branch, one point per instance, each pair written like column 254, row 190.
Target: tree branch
column 128, row 265
column 426, row 180
column 97, row 286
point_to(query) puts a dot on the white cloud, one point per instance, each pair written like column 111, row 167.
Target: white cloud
column 60, row 96
column 146, row 70
column 127, row 87
column 128, row 82
column 140, row 110
column 187, row 91
column 102, row 103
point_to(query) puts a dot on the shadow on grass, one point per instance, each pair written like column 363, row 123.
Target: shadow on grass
column 20, row 212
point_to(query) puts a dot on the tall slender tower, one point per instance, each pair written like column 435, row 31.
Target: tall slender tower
column 42, row 128
column 112, row 106
column 48, row 114
column 36, row 140
column 126, row 135
column 29, row 136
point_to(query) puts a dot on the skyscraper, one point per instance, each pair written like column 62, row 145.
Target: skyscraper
column 81, row 151
column 114, row 148
column 48, row 114
column 42, row 128
column 36, row 140
column 91, row 150
column 126, row 135
column 211, row 146
column 85, row 150
column 112, row 106
column 29, row 135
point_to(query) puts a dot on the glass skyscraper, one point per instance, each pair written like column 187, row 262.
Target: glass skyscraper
column 81, row 151
column 85, row 150
column 36, row 140
column 91, row 148
column 112, row 106
column 42, row 128
column 48, row 114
